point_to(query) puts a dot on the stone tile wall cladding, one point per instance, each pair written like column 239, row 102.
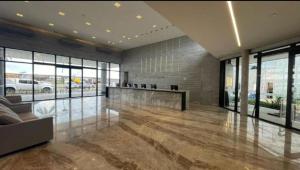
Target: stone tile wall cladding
column 178, row 61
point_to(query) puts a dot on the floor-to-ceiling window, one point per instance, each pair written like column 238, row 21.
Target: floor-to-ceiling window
column 114, row 75
column 44, row 76
column 62, row 76
column 2, row 71
column 18, row 73
column 296, row 94
column 103, row 77
column 76, row 77
column 230, row 84
column 252, row 84
column 273, row 88
column 89, row 78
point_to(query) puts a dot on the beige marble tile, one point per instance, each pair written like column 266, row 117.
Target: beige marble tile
column 96, row 133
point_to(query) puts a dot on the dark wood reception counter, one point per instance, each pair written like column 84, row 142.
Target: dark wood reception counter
column 178, row 99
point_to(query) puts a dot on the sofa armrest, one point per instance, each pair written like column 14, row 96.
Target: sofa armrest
column 25, row 134
column 14, row 99
column 22, row 108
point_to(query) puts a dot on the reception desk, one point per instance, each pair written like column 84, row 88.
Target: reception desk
column 178, row 100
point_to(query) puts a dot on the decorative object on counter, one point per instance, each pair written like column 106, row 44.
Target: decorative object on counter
column 129, row 85
column 143, row 86
column 153, row 86
column 135, row 86
column 174, row 87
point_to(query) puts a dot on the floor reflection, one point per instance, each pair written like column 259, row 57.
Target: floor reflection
column 126, row 136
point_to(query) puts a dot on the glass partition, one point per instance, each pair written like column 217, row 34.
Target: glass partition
column 89, row 63
column 273, row 89
column 44, row 58
column 76, row 62
column 19, row 80
column 89, row 82
column 252, row 84
column 44, row 82
column 18, row 55
column 230, row 78
column 296, row 94
column 76, row 82
column 61, row 60
column 62, row 82
column 2, row 72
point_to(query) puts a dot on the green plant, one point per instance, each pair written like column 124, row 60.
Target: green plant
column 269, row 103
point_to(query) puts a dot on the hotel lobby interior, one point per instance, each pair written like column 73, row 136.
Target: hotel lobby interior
column 158, row 85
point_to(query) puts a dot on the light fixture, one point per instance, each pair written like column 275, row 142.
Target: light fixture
column 20, row 15
column 123, row 36
column 229, row 4
column 93, row 37
column 120, row 41
column 108, row 42
column 139, row 17
column 61, row 13
column 129, row 38
column 117, row 4
column 108, row 30
column 26, row 1
column 154, row 26
column 113, row 43
column 75, row 32
column 51, row 24
column 136, row 36
column 88, row 23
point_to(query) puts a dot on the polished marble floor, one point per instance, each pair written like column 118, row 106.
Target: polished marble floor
column 96, row 133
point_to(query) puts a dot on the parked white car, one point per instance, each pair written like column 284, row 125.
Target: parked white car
column 26, row 85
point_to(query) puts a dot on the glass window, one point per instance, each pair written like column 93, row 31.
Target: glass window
column 1, row 72
column 230, row 78
column 102, row 81
column 296, row 94
column 62, row 60
column 252, row 84
column 103, row 65
column 19, row 80
column 44, row 58
column 18, row 55
column 89, row 82
column 1, row 53
column 273, row 89
column 44, row 82
column 114, row 67
column 239, row 85
column 76, row 80
column 89, row 63
column 114, row 79
column 62, row 82
column 76, row 62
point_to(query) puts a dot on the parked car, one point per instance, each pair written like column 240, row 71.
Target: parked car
column 251, row 95
column 26, row 85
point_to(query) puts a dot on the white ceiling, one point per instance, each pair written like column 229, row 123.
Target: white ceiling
column 259, row 23
column 101, row 14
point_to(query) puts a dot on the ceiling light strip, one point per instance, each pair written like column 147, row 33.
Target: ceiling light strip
column 236, row 32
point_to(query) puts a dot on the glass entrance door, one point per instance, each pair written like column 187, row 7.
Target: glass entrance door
column 76, row 82
column 273, row 88
column 62, row 82
column 296, row 94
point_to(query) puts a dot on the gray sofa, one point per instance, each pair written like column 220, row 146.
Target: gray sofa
column 28, row 131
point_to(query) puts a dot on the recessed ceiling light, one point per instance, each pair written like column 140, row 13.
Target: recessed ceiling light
column 112, row 43
column 88, row 23
column 26, row 1
column 139, row 17
column 93, row 37
column 136, row 36
column 51, row 24
column 75, row 32
column 154, row 26
column 117, row 4
column 108, row 30
column 129, row 38
column 61, row 13
column 120, row 41
column 123, row 36
column 236, row 32
column 19, row 15
column 108, row 42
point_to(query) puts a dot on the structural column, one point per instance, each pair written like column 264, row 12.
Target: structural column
column 244, row 85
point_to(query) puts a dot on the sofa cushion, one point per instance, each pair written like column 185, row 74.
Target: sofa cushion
column 27, row 116
column 7, row 116
column 4, row 101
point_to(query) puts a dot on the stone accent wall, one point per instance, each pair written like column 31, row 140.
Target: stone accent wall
column 176, row 61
